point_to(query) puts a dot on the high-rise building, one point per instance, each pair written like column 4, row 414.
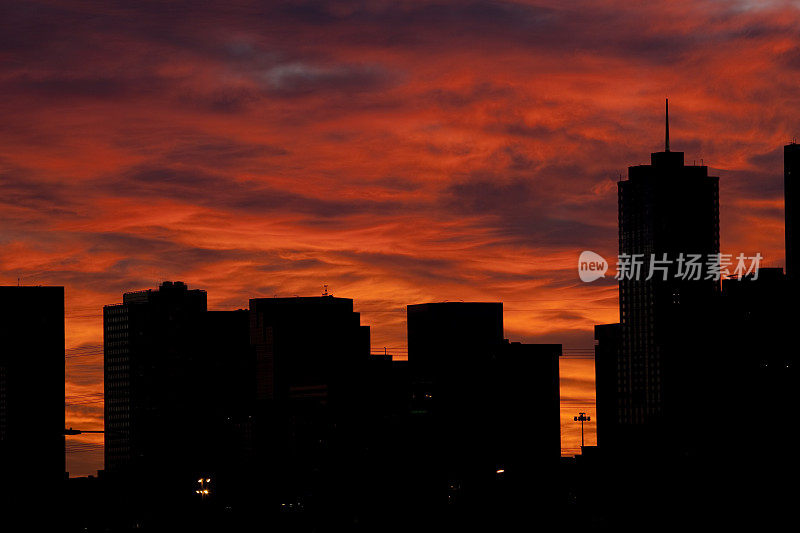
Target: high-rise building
column 791, row 174
column 669, row 212
column 31, row 392
column 484, row 415
column 452, row 347
column 151, row 388
column 180, row 402
column 311, row 354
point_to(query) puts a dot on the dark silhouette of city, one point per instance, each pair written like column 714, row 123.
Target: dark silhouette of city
column 278, row 417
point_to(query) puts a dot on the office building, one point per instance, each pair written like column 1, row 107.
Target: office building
column 484, row 428
column 151, row 342
column 311, row 355
column 31, row 391
column 667, row 209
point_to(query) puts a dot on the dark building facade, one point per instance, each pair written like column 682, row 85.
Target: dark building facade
column 150, row 343
column 31, row 392
column 759, row 350
column 448, row 343
column 311, row 358
column 484, row 427
column 527, row 406
column 758, row 367
column 306, row 348
column 180, row 407
column 452, row 347
column 666, row 210
column 223, row 410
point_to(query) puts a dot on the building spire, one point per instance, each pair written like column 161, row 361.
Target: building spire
column 666, row 127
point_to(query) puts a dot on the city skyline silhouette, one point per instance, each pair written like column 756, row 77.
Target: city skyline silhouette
column 396, row 155
column 162, row 346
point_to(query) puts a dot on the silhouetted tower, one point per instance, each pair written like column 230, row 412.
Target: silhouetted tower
column 451, row 350
column 791, row 174
column 31, row 391
column 480, row 404
column 669, row 208
column 311, row 357
column 151, row 341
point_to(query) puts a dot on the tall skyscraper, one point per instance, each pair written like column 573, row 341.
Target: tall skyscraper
column 667, row 210
column 791, row 174
column 151, row 342
column 31, row 392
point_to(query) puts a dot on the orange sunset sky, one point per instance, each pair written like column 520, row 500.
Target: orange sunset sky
column 399, row 152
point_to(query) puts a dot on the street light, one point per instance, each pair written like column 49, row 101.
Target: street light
column 582, row 418
column 204, row 484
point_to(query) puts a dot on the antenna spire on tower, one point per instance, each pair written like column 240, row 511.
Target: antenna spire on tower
column 666, row 127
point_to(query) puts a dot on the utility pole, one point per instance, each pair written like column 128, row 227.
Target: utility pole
column 582, row 418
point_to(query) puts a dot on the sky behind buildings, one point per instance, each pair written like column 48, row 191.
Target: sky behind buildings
column 399, row 152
